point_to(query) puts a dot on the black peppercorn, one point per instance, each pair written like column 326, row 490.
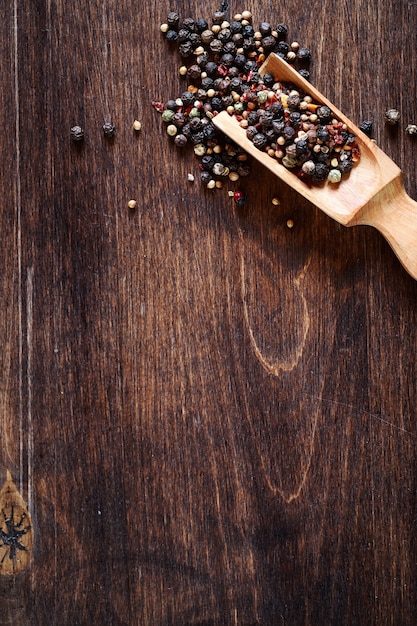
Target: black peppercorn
column 211, row 69
column 251, row 66
column 268, row 79
column 288, row 133
column 180, row 140
column 323, row 134
column 247, row 31
column 227, row 101
column 224, row 35
column 77, row 133
column 108, row 129
column 173, row 19
column 266, row 120
column 295, row 119
column 209, row 132
column 216, row 46
column 236, row 84
column 282, row 31
column 345, row 165
column 201, row 94
column 251, row 131
column 243, row 170
column 189, row 24
column 197, row 137
column 240, row 60
column 195, row 123
column 277, row 110
column 183, row 35
column 194, row 72
column 301, row 147
column 178, row 119
column 293, row 102
column 195, row 39
column 249, row 45
column 171, row 105
column 367, row 127
column 283, row 47
column 185, row 49
column 202, row 59
column 235, row 26
column 201, row 25
column 252, row 118
column 186, row 130
column 303, row 54
column 219, row 17
column 227, row 60
column 324, row 114
column 321, row 172
column 265, row 28
column 207, row 162
column 237, row 39
column 171, row 36
column 278, row 126
column 187, row 98
column 268, row 43
column 216, row 104
column 259, row 141
column 205, row 177
column 304, row 73
column 321, row 157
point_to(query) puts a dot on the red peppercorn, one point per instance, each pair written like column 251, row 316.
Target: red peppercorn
column 239, row 197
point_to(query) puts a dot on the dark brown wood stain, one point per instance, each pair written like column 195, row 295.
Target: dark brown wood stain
column 210, row 416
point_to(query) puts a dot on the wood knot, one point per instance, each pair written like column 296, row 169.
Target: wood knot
column 16, row 532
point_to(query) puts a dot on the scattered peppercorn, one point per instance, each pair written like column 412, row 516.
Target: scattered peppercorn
column 108, row 129
column 132, row 204
column 239, row 197
column 411, row 129
column 392, row 117
column 367, row 127
column 137, row 125
column 77, row 133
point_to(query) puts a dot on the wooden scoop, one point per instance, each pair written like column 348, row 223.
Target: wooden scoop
column 372, row 193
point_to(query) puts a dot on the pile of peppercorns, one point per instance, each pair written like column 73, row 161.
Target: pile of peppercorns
column 221, row 65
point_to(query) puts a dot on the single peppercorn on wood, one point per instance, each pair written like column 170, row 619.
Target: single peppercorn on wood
column 373, row 194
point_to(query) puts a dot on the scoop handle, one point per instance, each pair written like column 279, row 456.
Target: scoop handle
column 394, row 214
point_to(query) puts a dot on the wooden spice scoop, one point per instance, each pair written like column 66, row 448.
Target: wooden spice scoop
column 372, row 193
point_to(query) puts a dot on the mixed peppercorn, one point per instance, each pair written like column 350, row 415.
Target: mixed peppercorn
column 302, row 135
column 221, row 64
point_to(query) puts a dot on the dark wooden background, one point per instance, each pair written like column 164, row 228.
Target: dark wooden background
column 211, row 416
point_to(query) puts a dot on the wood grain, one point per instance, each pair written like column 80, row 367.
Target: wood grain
column 210, row 416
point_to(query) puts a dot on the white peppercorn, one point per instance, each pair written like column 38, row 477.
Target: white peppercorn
column 392, row 116
column 172, row 130
column 334, row 176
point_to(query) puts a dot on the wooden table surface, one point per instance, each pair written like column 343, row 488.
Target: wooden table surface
column 210, row 417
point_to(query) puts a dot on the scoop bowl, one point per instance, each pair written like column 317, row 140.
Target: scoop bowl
column 373, row 193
